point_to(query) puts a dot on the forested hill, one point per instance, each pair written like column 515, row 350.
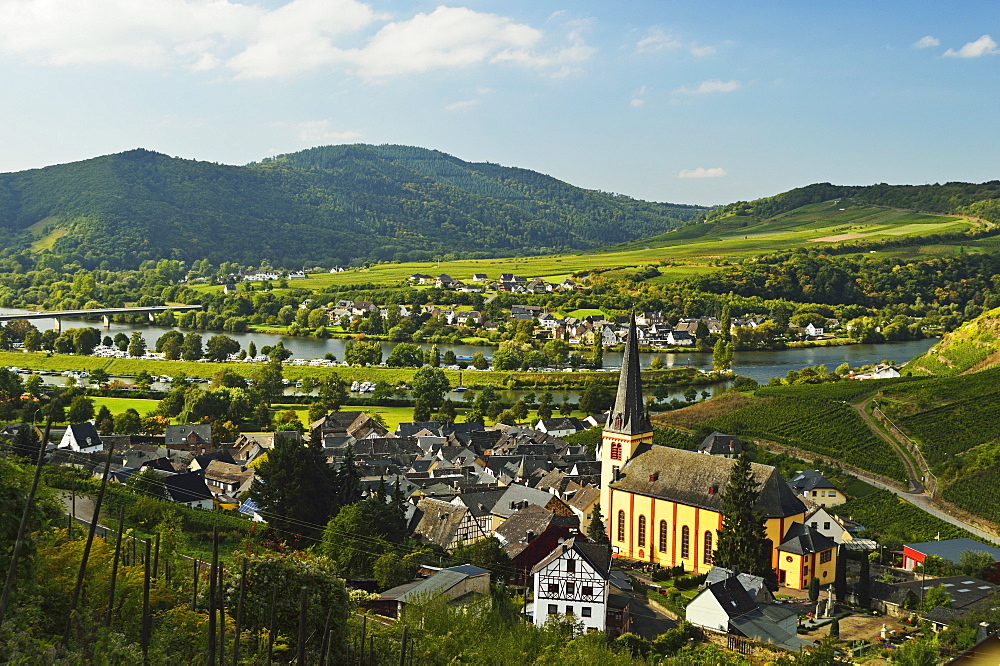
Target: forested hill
column 326, row 206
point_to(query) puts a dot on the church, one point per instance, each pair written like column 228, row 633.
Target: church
column 664, row 505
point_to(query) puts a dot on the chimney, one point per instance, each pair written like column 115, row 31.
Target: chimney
column 654, row 476
column 530, row 536
column 711, row 490
column 984, row 632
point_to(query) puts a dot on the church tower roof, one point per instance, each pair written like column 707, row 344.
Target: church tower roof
column 628, row 416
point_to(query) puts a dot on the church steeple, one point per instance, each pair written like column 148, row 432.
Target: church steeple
column 628, row 416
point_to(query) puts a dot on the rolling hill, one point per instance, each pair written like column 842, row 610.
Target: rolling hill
column 329, row 205
column 973, row 346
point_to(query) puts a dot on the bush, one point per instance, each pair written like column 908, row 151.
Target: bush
column 689, row 582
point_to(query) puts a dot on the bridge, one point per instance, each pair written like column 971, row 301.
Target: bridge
column 57, row 315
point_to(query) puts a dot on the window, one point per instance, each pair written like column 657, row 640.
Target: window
column 621, row 525
column 642, row 531
column 571, row 566
column 553, row 609
column 553, row 588
column 707, row 555
column 585, row 611
column 569, row 610
column 826, row 556
column 685, row 542
column 616, row 451
column 663, row 536
column 814, row 524
column 826, row 525
column 569, row 588
column 814, row 493
column 588, row 590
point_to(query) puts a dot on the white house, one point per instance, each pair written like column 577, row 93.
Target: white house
column 812, row 330
column 81, row 437
column 573, row 580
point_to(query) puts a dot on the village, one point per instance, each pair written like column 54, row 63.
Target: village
column 626, row 538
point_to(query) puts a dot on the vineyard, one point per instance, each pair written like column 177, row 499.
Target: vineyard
column 953, row 429
column 977, row 493
column 887, row 517
column 902, row 400
column 845, row 390
column 831, row 429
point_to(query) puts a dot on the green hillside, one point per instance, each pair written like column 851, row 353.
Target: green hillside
column 331, row 205
column 973, row 346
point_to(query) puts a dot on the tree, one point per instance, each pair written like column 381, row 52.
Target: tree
column 421, row 410
column 148, row 483
column 487, row 554
column 479, row 361
column 34, row 385
column 742, row 543
column 919, row 652
column 100, row 377
column 722, row 355
column 293, row 488
column 656, row 363
column 430, row 385
column 597, row 360
column 26, row 443
column 270, row 382
column 433, row 357
column 104, row 422
column 934, row 597
column 977, row 563
column 865, row 584
column 332, row 392
column 81, row 409
column 136, row 345
column 596, row 399
column 363, row 352
column 508, row 356
column 220, row 347
column 596, row 531
column 128, row 422
column 404, row 355
column 813, row 589
column 191, row 350
column 121, row 341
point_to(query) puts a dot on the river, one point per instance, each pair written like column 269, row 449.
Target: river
column 760, row 365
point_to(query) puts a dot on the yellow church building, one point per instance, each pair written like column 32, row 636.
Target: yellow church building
column 664, row 505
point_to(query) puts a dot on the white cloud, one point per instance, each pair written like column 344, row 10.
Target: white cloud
column 656, row 40
column 711, row 86
column 926, row 42
column 982, row 46
column 637, row 97
column 702, row 51
column 462, row 104
column 319, row 131
column 702, row 172
column 253, row 41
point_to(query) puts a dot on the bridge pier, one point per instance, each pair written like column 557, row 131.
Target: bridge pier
column 107, row 322
column 57, row 325
column 152, row 319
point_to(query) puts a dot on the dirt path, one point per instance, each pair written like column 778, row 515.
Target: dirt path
column 916, row 487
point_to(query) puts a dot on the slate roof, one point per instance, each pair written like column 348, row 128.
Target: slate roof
column 513, row 532
column 732, row 597
column 803, row 540
column 754, row 585
column 964, row 591
column 223, row 455
column 628, row 416
column 686, row 477
column 720, row 444
column 84, row 431
column 597, row 555
column 515, row 495
column 952, row 549
column 178, row 434
column 808, row 480
column 432, row 586
column 481, row 503
column 584, row 498
column 761, row 624
column 188, row 487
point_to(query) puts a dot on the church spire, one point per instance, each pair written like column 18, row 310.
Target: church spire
column 628, row 416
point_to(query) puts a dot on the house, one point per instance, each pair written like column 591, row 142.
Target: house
column 479, row 277
column 755, row 586
column 726, row 607
column 189, row 489
column 223, row 477
column 880, row 371
column 582, row 502
column 812, row 330
column 446, row 525
column 531, row 534
column 664, row 505
column 965, row 594
column 573, row 580
column 813, row 487
column 720, row 444
column 199, row 463
column 837, row 528
column 192, row 435
column 455, row 584
column 560, row 427
column 680, row 338
column 806, row 553
column 949, row 550
column 81, row 437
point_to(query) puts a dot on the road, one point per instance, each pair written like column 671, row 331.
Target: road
column 912, row 472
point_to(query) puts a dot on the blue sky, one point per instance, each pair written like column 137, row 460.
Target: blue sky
column 690, row 102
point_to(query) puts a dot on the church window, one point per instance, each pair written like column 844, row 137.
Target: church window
column 621, row 525
column 707, row 555
column 616, row 450
column 663, row 536
column 642, row 531
column 685, row 542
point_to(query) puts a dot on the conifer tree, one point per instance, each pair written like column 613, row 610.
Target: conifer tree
column 743, row 545
column 596, row 531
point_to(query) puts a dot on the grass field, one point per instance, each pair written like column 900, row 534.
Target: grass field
column 119, row 405
column 690, row 250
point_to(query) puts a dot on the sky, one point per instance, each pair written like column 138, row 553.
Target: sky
column 701, row 102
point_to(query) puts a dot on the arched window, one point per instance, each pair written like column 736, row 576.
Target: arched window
column 685, row 542
column 616, row 450
column 621, row 525
column 663, row 536
column 707, row 555
column 642, row 531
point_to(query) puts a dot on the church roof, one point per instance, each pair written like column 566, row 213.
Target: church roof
column 698, row 480
column 628, row 416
